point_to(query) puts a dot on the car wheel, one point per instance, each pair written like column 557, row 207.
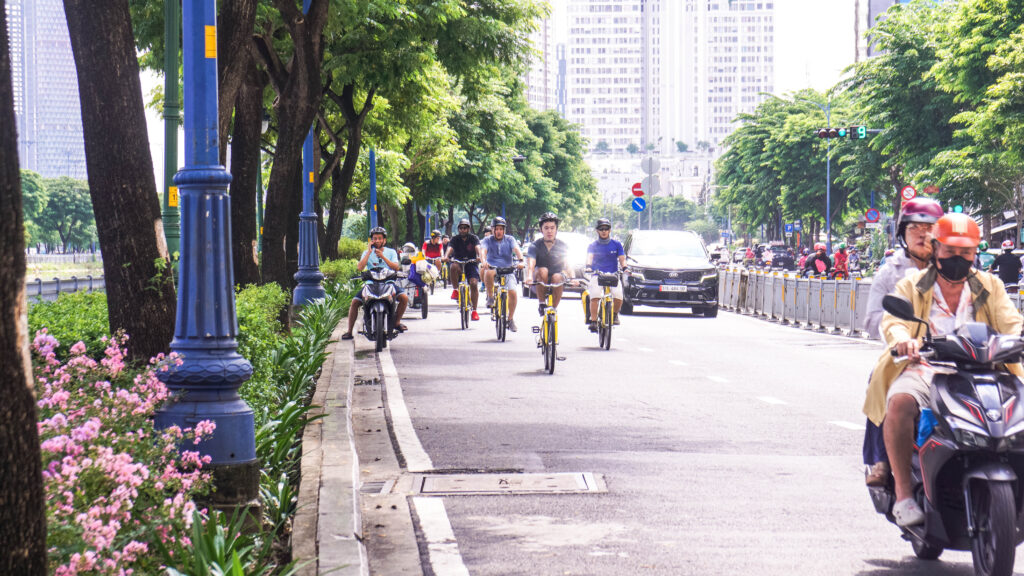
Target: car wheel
column 711, row 311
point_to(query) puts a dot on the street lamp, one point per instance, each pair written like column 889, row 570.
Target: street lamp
column 205, row 385
column 827, row 110
column 172, row 119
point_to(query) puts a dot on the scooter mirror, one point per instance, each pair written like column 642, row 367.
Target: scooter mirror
column 898, row 307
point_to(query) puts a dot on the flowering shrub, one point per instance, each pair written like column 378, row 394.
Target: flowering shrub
column 118, row 490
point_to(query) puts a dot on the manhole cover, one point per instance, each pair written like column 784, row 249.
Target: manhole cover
column 558, row 483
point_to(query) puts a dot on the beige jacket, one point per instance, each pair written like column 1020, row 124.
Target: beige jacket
column 992, row 306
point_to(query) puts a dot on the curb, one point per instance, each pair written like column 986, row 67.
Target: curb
column 327, row 530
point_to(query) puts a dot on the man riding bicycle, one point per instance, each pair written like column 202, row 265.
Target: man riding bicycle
column 465, row 246
column 604, row 255
column 547, row 261
column 378, row 256
column 497, row 251
column 433, row 249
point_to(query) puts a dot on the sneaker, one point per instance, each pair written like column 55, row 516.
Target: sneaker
column 475, row 316
column 511, row 325
column 907, row 513
column 455, row 294
column 490, row 302
column 540, row 308
column 593, row 326
column 615, row 321
column 877, row 474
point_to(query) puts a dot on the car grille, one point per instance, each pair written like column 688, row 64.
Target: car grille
column 661, row 275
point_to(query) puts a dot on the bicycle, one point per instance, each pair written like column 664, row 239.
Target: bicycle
column 443, row 269
column 548, row 330
column 605, row 307
column 465, row 307
column 499, row 310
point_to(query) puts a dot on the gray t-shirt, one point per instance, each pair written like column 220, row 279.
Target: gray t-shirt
column 499, row 253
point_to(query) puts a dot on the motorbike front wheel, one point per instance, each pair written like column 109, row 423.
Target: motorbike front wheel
column 925, row 551
column 380, row 330
column 994, row 545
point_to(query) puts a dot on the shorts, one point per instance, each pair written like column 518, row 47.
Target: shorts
column 916, row 381
column 472, row 271
column 596, row 291
column 510, row 281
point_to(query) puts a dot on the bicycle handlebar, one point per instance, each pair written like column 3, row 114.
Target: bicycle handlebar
column 473, row 261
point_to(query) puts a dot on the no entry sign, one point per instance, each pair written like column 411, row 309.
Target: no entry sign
column 638, row 189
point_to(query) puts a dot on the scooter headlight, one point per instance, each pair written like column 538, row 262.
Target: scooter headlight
column 972, row 439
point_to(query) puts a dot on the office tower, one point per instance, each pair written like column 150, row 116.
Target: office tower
column 47, row 108
column 541, row 77
column 868, row 14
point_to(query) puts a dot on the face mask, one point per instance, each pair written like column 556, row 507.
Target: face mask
column 604, row 240
column 954, row 268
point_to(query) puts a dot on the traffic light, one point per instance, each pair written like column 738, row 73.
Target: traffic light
column 858, row 132
column 832, row 133
column 958, row 208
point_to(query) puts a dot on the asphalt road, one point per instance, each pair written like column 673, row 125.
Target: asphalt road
column 728, row 445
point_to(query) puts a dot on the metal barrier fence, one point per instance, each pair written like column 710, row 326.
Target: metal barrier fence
column 813, row 303
column 73, row 258
column 50, row 289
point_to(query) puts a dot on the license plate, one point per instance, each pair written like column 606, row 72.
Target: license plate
column 666, row 288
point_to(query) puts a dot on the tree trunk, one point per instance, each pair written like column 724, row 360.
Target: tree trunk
column 245, row 173
column 341, row 185
column 22, row 513
column 448, row 224
column 140, row 288
column 236, row 23
column 410, row 223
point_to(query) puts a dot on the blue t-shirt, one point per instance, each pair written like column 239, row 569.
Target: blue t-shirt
column 499, row 254
column 377, row 262
column 606, row 256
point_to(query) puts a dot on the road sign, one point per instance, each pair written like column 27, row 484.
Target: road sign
column 908, row 193
column 650, row 165
column 873, row 225
column 651, row 185
column 639, row 204
column 789, row 229
column 931, row 189
column 872, row 215
column 789, row 234
column 638, row 189
column 726, row 234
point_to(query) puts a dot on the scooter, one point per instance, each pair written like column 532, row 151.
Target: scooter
column 970, row 448
column 379, row 297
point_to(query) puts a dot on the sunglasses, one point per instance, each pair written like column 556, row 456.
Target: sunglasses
column 604, row 229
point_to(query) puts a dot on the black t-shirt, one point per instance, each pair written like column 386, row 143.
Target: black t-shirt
column 1008, row 266
column 553, row 259
column 464, row 247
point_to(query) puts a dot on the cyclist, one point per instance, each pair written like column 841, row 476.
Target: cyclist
column 547, row 261
column 465, row 246
column 378, row 255
column 433, row 249
column 1006, row 265
column 497, row 251
column 604, row 255
column 488, row 231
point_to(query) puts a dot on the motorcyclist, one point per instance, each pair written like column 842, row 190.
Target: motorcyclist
column 803, row 258
column 378, row 255
column 1007, row 265
column 409, row 258
column 948, row 293
column 819, row 262
column 841, row 258
column 914, row 234
column 984, row 259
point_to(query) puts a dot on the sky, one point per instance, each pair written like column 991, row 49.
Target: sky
column 814, row 41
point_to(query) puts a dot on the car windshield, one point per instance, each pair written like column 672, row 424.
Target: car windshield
column 667, row 244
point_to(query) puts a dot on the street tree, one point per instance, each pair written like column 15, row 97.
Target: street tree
column 34, row 200
column 22, row 511
column 121, row 183
column 68, row 215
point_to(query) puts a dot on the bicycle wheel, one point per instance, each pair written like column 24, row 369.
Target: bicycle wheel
column 464, row 306
column 606, row 324
column 552, row 343
column 501, row 322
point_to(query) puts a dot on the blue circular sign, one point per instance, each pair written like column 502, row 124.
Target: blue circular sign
column 872, row 215
column 639, row 204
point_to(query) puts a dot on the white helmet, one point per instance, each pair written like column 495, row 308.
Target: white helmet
column 1007, row 244
column 409, row 247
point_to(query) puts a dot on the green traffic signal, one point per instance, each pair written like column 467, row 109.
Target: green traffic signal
column 958, row 208
column 842, row 132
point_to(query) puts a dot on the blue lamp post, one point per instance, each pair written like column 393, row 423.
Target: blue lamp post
column 205, row 386
column 308, row 278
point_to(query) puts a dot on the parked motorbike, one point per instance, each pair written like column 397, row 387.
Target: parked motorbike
column 379, row 297
column 970, row 451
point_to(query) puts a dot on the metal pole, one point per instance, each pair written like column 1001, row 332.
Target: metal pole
column 206, row 383
column 426, row 227
column 828, row 178
column 373, row 189
column 308, row 279
column 172, row 119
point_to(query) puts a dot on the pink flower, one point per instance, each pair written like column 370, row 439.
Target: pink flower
column 78, row 349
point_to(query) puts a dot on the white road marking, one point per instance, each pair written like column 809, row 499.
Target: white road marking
column 847, row 425
column 642, row 349
column 770, row 400
column 718, row 379
column 416, row 459
column 678, row 362
column 442, row 547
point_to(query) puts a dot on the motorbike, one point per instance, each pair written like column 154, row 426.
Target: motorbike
column 379, row 297
column 970, row 448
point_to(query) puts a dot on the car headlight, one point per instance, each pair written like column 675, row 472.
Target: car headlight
column 637, row 274
column 709, row 275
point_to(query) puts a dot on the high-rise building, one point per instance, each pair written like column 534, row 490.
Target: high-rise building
column 868, row 14
column 541, row 78
column 46, row 104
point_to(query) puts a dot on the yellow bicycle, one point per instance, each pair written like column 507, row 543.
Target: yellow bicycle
column 499, row 310
column 548, row 329
column 605, row 308
column 465, row 306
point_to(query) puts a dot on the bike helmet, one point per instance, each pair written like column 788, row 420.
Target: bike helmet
column 917, row 210
column 435, row 233
column 958, row 229
column 806, row 251
column 842, row 246
column 983, row 245
column 1007, row 244
column 603, row 222
column 548, row 217
column 498, row 221
column 463, row 222
column 378, row 230
column 409, row 247
column 487, row 229
column 819, row 246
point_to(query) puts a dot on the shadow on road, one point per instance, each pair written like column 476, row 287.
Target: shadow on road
column 910, row 566
column 664, row 314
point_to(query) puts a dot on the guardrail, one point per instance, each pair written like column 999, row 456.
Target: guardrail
column 75, row 258
column 816, row 303
column 49, row 289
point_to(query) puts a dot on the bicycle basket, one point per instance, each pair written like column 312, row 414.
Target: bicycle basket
column 610, row 280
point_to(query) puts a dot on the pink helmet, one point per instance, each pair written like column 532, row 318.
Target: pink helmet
column 917, row 210
column 819, row 246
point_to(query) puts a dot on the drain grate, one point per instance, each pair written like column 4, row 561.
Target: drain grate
column 483, row 484
column 372, row 487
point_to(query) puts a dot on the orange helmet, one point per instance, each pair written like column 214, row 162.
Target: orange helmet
column 957, row 229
